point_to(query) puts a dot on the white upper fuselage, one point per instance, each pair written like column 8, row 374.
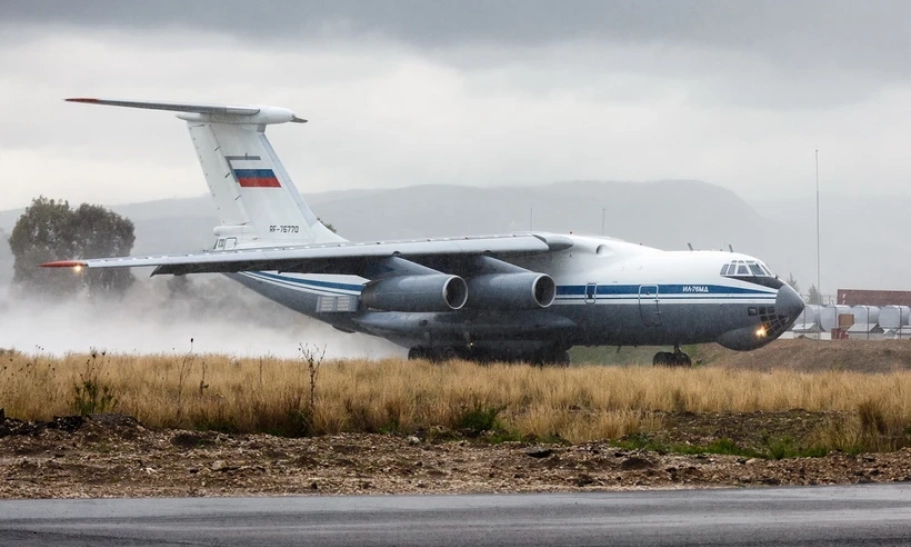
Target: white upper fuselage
column 607, row 262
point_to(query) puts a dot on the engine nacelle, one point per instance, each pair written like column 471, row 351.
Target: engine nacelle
column 417, row 293
column 511, row 291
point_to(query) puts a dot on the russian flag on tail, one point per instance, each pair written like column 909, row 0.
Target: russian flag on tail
column 256, row 178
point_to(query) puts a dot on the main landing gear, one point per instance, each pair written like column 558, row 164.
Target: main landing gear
column 433, row 354
column 553, row 356
column 672, row 359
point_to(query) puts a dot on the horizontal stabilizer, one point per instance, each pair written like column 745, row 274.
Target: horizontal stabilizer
column 206, row 112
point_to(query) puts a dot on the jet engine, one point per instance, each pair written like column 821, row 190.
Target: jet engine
column 416, row 293
column 511, row 291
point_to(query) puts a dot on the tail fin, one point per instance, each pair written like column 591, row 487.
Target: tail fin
column 257, row 202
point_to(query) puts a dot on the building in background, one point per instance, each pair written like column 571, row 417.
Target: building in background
column 865, row 297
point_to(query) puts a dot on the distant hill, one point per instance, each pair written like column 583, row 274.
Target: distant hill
column 861, row 248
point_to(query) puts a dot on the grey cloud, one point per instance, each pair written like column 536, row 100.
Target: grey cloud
column 812, row 35
column 405, row 93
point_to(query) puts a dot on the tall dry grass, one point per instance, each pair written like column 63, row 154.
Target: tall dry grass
column 577, row 404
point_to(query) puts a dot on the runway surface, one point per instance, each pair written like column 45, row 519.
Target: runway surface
column 851, row 515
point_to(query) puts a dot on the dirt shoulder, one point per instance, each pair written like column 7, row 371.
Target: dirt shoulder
column 114, row 456
column 810, row 355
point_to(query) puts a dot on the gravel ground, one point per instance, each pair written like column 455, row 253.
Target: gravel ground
column 115, row 456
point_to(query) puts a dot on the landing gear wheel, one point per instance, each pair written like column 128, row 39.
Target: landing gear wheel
column 672, row 359
column 438, row 355
column 561, row 359
column 682, row 360
column 416, row 353
column 551, row 357
column 448, row 354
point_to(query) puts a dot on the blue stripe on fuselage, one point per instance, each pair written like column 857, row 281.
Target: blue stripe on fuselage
column 691, row 289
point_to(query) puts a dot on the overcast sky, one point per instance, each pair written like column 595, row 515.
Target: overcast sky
column 471, row 93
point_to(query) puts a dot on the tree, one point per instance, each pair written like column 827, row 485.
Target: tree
column 100, row 233
column 793, row 283
column 327, row 225
column 4, row 251
column 50, row 230
column 815, row 297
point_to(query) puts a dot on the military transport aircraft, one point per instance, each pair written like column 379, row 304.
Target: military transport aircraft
column 519, row 296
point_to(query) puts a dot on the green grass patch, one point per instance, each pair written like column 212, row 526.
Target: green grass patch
column 477, row 419
column 771, row 449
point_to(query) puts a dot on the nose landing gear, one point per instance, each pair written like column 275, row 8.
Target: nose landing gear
column 672, row 359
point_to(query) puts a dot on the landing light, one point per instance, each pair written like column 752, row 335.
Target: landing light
column 77, row 268
column 761, row 332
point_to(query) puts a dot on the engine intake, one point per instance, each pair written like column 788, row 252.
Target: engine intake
column 511, row 291
column 416, row 293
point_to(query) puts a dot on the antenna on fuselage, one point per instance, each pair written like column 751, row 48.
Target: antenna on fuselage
column 731, row 247
column 690, row 245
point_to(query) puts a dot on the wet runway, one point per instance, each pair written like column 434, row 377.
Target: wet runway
column 851, row 515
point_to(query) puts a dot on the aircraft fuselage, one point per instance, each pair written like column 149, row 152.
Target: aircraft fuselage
column 609, row 292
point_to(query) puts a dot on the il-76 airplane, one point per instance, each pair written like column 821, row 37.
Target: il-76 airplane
column 520, row 296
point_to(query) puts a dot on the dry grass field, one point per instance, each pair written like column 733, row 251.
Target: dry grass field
column 867, row 412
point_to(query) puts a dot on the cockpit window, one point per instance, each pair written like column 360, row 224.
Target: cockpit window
column 746, row 268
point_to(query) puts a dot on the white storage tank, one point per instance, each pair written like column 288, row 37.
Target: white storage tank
column 828, row 316
column 866, row 321
column 808, row 320
column 865, row 315
column 893, row 318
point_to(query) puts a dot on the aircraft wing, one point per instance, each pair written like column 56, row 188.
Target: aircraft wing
column 352, row 258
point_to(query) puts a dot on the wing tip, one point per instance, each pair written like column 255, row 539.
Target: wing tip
column 64, row 264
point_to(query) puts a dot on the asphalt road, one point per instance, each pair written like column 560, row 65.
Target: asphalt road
column 852, row 515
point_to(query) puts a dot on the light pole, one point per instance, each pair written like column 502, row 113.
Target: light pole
column 818, row 268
